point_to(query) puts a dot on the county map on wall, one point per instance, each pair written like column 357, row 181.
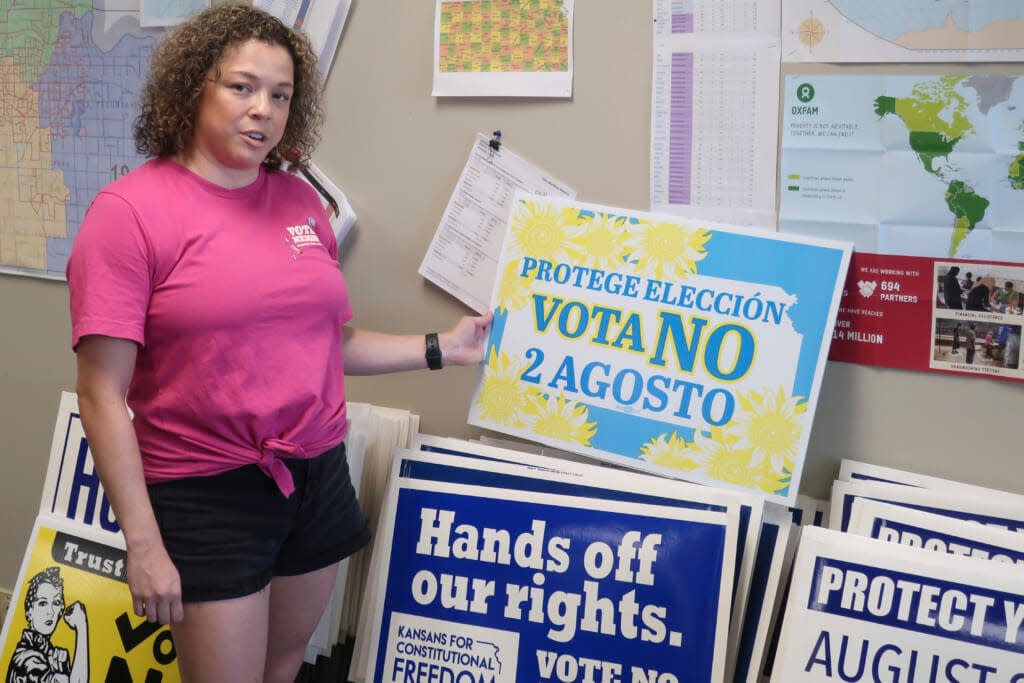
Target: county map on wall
column 503, row 48
column 70, row 74
column 504, row 35
column 902, row 30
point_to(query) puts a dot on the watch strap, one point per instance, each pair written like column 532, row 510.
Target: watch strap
column 433, row 355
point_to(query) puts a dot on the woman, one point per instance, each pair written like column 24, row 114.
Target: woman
column 205, row 287
column 35, row 657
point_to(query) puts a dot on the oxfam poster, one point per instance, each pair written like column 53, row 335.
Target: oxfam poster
column 925, row 175
column 681, row 348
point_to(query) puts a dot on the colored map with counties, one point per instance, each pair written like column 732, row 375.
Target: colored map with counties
column 937, row 115
column 503, row 36
column 69, row 82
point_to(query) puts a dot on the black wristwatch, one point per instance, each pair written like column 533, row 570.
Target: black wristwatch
column 434, row 358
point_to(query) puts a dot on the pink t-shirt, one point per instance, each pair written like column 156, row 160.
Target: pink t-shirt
column 237, row 303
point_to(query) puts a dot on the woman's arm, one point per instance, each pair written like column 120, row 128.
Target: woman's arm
column 105, row 366
column 78, row 620
column 375, row 353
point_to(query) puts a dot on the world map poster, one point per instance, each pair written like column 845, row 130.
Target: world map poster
column 925, row 175
column 902, row 31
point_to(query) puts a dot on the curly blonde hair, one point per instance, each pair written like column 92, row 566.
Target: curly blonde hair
column 179, row 67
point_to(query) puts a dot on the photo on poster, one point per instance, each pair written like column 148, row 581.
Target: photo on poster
column 71, row 616
column 979, row 347
column 977, row 318
column 682, row 348
column 979, row 287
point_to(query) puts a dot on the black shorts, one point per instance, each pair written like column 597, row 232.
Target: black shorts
column 231, row 533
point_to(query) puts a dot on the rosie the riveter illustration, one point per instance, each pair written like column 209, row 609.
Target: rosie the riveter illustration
column 36, row 659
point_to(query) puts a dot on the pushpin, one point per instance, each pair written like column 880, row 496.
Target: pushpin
column 495, row 142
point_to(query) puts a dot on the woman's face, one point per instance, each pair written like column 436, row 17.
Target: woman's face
column 242, row 114
column 45, row 610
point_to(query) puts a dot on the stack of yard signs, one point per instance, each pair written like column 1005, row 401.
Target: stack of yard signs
column 918, row 579
column 560, row 569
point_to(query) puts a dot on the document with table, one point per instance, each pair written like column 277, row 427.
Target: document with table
column 463, row 255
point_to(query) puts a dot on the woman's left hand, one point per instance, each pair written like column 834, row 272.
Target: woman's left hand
column 464, row 344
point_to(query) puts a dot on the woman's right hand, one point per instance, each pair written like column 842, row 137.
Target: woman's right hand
column 105, row 367
column 154, row 584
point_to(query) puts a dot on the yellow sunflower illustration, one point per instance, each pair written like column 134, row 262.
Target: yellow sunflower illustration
column 538, row 231
column 772, row 481
column 514, row 291
column 666, row 250
column 570, row 216
column 559, row 418
column 669, row 450
column 721, row 459
column 600, row 240
column 771, row 424
column 503, row 397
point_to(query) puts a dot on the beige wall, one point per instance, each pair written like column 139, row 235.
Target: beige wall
column 398, row 152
